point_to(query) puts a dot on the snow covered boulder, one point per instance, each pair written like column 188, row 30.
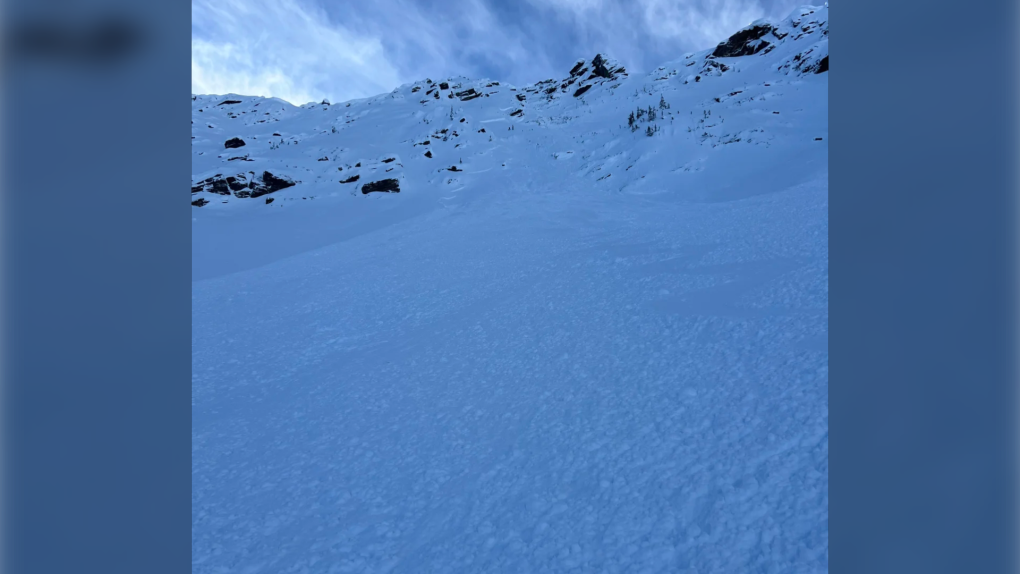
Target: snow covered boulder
column 387, row 185
column 243, row 184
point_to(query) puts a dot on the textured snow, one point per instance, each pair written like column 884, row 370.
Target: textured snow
column 588, row 351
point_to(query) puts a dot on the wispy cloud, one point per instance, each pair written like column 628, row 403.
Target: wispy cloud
column 283, row 48
column 305, row 50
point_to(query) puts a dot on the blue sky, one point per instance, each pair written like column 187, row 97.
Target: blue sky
column 307, row 50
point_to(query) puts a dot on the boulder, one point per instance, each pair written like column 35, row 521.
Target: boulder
column 385, row 185
column 233, row 143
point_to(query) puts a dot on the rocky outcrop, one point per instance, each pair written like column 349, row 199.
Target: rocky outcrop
column 385, row 185
column 823, row 65
column 600, row 67
column 746, row 42
column 243, row 184
column 233, row 143
column 468, row 95
column 351, row 179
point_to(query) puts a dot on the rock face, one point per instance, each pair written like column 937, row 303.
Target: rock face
column 243, row 184
column 351, row 179
column 387, row 185
column 581, row 90
column 233, row 142
column 746, row 42
column 600, row 67
column 468, row 94
column 823, row 65
column 200, row 202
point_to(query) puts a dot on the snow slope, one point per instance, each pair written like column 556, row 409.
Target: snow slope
column 587, row 349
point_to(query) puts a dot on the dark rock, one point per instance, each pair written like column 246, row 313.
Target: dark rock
column 744, row 43
column 387, row 185
column 516, row 113
column 270, row 184
column 200, row 202
column 444, row 86
column 823, row 65
column 389, row 159
column 269, row 200
column 235, row 184
column 357, row 164
column 551, row 90
column 575, row 70
column 462, row 120
column 415, row 89
column 233, row 142
column 710, row 64
column 228, row 102
column 521, row 97
column 218, row 186
column 278, row 135
column 351, row 179
column 436, row 95
column 428, row 154
column 323, row 159
column 481, row 131
column 697, row 78
column 600, row 69
column 581, row 90
column 818, row 139
column 453, row 168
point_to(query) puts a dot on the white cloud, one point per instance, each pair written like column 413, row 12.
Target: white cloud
column 703, row 28
column 284, row 49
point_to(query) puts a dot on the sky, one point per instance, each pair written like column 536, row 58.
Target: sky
column 308, row 50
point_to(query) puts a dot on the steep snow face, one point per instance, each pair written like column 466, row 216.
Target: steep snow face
column 470, row 327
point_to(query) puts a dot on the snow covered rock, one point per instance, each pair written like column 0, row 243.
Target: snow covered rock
column 386, row 185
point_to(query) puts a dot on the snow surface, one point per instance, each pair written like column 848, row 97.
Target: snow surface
column 590, row 350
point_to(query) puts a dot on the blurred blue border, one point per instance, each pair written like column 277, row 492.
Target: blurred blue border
column 96, row 231
column 923, row 401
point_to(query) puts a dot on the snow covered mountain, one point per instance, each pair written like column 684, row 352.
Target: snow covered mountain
column 470, row 327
